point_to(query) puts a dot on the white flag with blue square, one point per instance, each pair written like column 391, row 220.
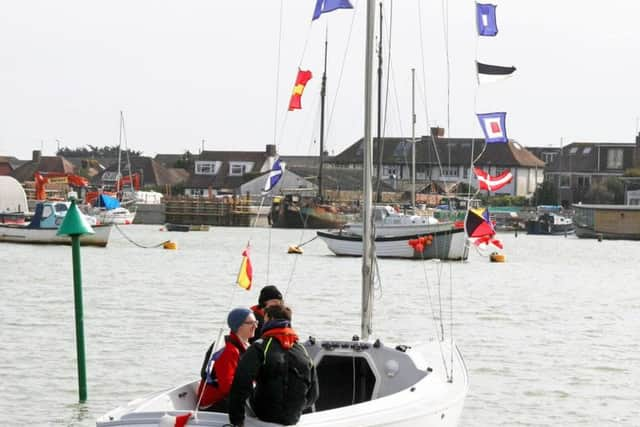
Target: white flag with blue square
column 486, row 20
column 494, row 127
column 274, row 176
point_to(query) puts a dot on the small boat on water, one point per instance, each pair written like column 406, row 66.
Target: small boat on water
column 186, row 227
column 109, row 211
column 296, row 211
column 43, row 228
column 12, row 217
column 394, row 231
column 449, row 242
column 550, row 223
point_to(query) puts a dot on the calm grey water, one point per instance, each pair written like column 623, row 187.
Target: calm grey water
column 551, row 337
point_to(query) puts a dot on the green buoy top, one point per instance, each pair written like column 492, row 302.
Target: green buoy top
column 74, row 223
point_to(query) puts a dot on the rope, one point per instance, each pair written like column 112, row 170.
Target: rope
column 136, row 243
column 308, row 241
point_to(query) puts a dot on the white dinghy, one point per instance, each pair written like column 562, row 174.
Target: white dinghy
column 362, row 382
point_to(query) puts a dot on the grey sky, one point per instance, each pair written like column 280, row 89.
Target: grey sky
column 193, row 70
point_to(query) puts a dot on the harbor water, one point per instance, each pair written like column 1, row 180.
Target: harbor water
column 550, row 337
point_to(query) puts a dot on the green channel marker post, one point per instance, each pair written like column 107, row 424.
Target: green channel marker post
column 75, row 225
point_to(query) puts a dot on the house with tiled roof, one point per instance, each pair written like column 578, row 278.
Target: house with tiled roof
column 223, row 172
column 445, row 162
column 8, row 164
column 42, row 164
column 580, row 165
column 152, row 173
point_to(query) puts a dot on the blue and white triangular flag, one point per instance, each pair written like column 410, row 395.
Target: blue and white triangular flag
column 494, row 127
column 486, row 19
column 274, row 176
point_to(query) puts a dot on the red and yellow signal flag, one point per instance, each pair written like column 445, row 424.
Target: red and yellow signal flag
column 245, row 275
column 301, row 81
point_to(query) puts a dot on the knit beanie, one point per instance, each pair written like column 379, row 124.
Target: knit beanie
column 236, row 318
column 267, row 293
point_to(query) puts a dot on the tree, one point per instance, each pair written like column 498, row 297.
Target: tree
column 546, row 194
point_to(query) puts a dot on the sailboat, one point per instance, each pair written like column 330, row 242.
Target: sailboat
column 108, row 209
column 394, row 230
column 297, row 210
column 363, row 382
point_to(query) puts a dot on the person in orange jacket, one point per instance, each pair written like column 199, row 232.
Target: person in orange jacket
column 219, row 368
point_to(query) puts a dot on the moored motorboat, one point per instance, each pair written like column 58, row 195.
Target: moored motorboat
column 550, row 223
column 43, row 228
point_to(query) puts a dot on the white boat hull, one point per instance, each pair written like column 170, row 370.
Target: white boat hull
column 448, row 244
column 411, row 389
column 23, row 234
column 118, row 216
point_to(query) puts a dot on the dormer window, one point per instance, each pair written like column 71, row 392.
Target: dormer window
column 206, row 167
column 239, row 168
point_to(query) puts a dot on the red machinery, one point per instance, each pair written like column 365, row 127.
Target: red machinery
column 57, row 178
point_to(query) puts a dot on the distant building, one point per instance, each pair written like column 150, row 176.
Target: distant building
column 444, row 163
column 42, row 164
column 152, row 173
column 223, row 172
column 579, row 165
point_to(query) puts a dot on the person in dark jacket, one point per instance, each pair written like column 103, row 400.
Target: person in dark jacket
column 269, row 295
column 285, row 377
column 217, row 375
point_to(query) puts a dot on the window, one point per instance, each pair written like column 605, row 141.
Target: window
column 586, row 150
column 450, row 171
column 548, row 157
column 47, row 211
column 239, row 168
column 573, row 150
column 584, row 181
column 390, row 172
column 565, row 181
column 614, row 158
column 236, row 169
column 205, row 168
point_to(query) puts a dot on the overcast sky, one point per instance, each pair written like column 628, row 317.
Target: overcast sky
column 188, row 71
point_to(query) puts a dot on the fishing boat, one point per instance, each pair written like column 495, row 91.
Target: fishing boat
column 43, row 228
column 362, row 381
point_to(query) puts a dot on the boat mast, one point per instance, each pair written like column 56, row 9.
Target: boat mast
column 368, row 250
column 119, row 150
column 380, row 145
column 413, row 138
column 323, row 93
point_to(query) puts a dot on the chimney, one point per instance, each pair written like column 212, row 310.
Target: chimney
column 437, row 132
column 36, row 155
column 271, row 150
